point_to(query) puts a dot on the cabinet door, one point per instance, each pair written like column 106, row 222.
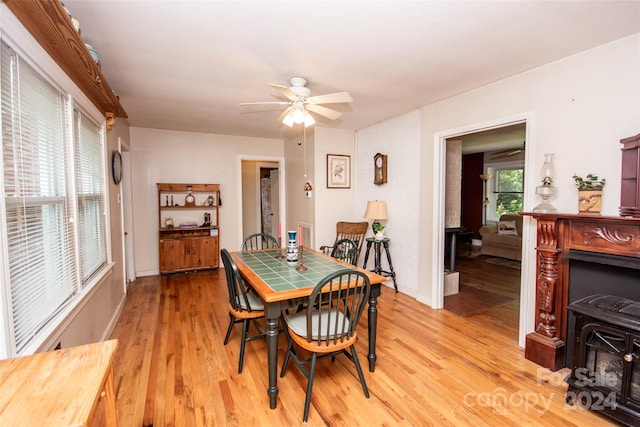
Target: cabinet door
column 212, row 253
column 187, row 253
column 204, row 252
column 171, row 254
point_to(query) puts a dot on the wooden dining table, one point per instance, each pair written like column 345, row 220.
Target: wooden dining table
column 282, row 285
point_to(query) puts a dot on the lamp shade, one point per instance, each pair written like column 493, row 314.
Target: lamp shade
column 376, row 210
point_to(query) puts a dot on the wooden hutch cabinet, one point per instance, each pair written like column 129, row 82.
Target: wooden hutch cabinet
column 188, row 227
column 630, row 183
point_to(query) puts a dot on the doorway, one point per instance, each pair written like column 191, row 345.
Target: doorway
column 261, row 197
column 127, row 214
column 526, row 307
column 488, row 287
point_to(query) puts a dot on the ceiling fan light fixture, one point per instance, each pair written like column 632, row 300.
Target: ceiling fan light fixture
column 308, row 119
column 299, row 99
column 288, row 120
column 298, row 115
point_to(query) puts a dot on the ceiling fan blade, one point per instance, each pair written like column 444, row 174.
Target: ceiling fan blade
column 266, row 102
column 285, row 91
column 330, row 98
column 512, row 150
column 506, row 153
column 323, row 111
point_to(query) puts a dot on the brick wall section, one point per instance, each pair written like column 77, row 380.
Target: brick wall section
column 453, row 185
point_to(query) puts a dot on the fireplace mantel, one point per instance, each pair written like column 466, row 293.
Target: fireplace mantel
column 557, row 234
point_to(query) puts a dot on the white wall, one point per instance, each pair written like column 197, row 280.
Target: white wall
column 299, row 209
column 399, row 139
column 187, row 157
column 581, row 106
column 333, row 204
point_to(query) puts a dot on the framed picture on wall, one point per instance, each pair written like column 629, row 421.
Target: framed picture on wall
column 338, row 171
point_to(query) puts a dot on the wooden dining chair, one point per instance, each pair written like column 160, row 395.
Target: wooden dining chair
column 348, row 230
column 327, row 326
column 259, row 241
column 345, row 250
column 244, row 305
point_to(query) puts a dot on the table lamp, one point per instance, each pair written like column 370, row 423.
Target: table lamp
column 376, row 210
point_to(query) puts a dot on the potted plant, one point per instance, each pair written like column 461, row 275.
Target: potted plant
column 590, row 193
column 377, row 229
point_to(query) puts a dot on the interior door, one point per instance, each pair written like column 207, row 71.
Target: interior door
column 265, row 205
column 275, row 200
column 127, row 203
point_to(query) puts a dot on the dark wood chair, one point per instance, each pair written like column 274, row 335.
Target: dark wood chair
column 259, row 241
column 349, row 230
column 244, row 305
column 327, row 326
column 345, row 250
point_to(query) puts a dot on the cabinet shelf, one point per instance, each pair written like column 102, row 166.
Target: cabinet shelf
column 214, row 227
column 187, row 207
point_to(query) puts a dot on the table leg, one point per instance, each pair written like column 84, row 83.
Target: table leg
column 366, row 255
column 110, row 401
column 391, row 272
column 378, row 266
column 272, row 354
column 373, row 325
column 452, row 261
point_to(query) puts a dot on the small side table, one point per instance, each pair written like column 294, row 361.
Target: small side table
column 378, row 244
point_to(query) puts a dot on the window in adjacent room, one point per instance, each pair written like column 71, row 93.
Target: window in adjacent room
column 508, row 190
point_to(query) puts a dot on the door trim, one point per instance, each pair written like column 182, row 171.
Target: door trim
column 281, row 186
column 527, row 292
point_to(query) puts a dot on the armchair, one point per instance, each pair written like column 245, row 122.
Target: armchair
column 348, row 230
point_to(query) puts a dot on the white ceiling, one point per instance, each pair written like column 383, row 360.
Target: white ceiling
column 187, row 65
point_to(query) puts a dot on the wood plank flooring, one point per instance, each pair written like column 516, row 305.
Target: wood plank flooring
column 497, row 280
column 433, row 368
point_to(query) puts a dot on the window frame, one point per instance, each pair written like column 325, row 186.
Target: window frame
column 18, row 38
column 491, row 187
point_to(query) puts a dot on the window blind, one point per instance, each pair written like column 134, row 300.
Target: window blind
column 91, row 198
column 54, row 195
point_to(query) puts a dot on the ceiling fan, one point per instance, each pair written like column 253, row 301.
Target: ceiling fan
column 501, row 154
column 300, row 103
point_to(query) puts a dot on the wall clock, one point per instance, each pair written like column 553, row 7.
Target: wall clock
column 116, row 167
column 379, row 169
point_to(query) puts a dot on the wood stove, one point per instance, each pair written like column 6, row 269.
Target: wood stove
column 559, row 236
column 605, row 373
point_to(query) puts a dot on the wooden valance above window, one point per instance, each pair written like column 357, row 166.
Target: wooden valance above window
column 49, row 24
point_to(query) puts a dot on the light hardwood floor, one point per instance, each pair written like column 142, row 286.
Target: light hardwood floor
column 434, row 368
column 477, row 273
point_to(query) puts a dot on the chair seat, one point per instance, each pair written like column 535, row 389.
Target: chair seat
column 332, row 320
column 255, row 302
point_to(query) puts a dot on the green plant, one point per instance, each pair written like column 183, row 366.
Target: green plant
column 377, row 226
column 591, row 182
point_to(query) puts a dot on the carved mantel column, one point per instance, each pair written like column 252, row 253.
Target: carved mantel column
column 558, row 234
column 543, row 346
